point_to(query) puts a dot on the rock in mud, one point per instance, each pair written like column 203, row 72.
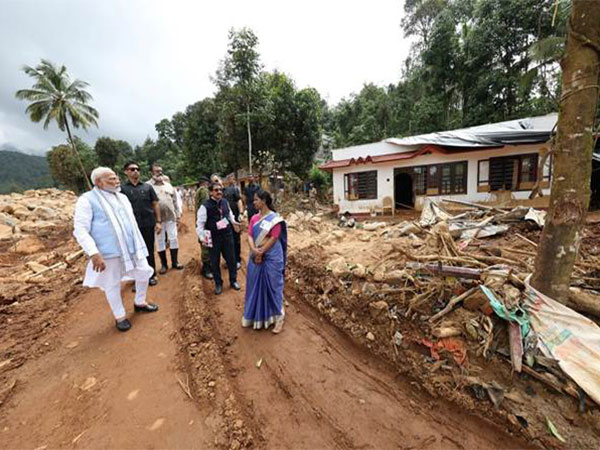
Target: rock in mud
column 359, row 271
column 29, row 245
column 378, row 310
column 338, row 267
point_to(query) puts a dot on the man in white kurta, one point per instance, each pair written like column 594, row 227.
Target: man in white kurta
column 107, row 231
column 171, row 216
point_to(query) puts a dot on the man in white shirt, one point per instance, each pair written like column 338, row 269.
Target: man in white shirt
column 171, row 215
column 214, row 225
column 106, row 229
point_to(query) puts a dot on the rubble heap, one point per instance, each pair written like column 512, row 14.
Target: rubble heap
column 445, row 296
column 35, row 229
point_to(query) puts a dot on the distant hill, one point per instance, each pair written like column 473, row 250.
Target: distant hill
column 19, row 172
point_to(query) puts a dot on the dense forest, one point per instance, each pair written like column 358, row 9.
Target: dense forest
column 19, row 171
column 472, row 62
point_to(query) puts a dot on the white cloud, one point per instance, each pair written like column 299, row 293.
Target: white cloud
column 146, row 60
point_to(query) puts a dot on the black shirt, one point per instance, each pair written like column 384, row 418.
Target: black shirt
column 251, row 189
column 233, row 196
column 141, row 197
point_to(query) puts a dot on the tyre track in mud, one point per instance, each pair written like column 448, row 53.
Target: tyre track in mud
column 316, row 388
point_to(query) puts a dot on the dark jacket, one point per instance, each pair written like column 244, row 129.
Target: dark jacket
column 215, row 212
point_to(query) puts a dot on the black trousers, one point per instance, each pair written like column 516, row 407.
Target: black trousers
column 237, row 247
column 223, row 245
column 149, row 235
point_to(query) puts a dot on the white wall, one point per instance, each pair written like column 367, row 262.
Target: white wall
column 385, row 177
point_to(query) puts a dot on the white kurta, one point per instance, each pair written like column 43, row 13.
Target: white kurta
column 114, row 272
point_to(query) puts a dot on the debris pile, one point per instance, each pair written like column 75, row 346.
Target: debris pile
column 37, row 249
column 41, row 268
column 39, row 212
column 446, row 296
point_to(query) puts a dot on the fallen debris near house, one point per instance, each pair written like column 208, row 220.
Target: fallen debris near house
column 460, row 277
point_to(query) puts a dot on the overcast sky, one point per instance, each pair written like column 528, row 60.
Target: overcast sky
column 147, row 59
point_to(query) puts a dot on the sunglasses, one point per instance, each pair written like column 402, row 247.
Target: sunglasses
column 217, row 190
column 133, row 169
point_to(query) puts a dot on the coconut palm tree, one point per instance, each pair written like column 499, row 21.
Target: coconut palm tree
column 56, row 97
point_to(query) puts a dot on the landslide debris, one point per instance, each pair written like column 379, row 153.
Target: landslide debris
column 41, row 269
column 383, row 282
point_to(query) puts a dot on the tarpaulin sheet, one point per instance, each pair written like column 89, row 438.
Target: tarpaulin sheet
column 522, row 131
column 567, row 336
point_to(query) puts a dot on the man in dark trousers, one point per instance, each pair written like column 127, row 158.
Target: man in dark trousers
column 144, row 202
column 249, row 192
column 234, row 197
column 203, row 194
column 215, row 225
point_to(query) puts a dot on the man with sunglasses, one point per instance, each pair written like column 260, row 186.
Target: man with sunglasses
column 214, row 225
column 146, row 209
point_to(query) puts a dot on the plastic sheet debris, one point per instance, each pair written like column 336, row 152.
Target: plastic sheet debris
column 567, row 336
column 517, row 314
column 536, row 216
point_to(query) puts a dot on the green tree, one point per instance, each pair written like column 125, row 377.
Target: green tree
column 238, row 72
column 65, row 166
column 200, row 140
column 55, row 97
column 111, row 152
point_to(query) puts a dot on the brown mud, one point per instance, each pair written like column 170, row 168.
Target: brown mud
column 189, row 377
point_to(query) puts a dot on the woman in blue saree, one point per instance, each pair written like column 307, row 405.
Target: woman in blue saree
column 267, row 238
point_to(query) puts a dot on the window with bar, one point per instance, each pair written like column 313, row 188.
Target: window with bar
column 511, row 173
column 360, row 185
column 420, row 180
column 436, row 179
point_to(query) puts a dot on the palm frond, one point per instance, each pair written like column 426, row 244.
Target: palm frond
column 38, row 110
column 32, row 94
column 87, row 109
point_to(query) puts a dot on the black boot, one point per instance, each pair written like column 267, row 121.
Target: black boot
column 174, row 262
column 206, row 272
column 163, row 262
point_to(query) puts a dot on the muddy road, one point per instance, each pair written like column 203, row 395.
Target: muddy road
column 188, row 377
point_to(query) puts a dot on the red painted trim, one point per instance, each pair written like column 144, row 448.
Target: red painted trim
column 426, row 149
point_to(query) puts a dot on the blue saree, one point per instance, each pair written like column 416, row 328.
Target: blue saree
column 263, row 304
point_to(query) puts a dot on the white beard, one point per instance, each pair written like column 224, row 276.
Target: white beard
column 113, row 190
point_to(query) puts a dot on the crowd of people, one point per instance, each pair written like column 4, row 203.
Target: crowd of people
column 119, row 227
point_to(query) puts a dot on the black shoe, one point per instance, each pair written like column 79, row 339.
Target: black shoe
column 151, row 282
column 123, row 325
column 148, row 307
column 163, row 270
column 235, row 285
column 206, row 273
column 178, row 266
column 218, row 289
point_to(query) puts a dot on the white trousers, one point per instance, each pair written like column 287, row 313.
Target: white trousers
column 169, row 229
column 113, row 295
column 109, row 280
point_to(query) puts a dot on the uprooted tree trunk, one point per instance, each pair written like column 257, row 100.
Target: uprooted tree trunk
column 570, row 194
